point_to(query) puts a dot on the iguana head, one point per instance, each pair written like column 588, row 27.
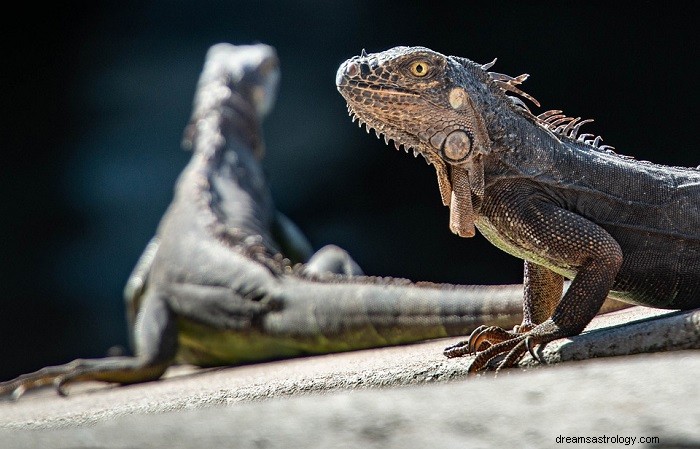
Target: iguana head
column 252, row 71
column 423, row 100
column 242, row 79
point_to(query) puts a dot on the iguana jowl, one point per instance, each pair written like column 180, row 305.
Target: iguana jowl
column 537, row 189
column 215, row 285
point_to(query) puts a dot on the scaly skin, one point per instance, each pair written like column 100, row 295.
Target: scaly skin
column 216, row 286
column 538, row 190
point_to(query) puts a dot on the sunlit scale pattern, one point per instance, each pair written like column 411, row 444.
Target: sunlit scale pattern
column 615, row 199
column 553, row 195
column 376, row 100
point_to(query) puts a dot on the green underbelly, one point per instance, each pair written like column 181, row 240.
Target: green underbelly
column 205, row 346
column 502, row 242
column 202, row 345
column 645, row 290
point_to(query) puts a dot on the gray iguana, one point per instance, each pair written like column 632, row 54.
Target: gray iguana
column 537, row 189
column 218, row 285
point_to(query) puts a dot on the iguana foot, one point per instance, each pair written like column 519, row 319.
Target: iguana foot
column 123, row 370
column 514, row 348
column 489, row 342
column 481, row 338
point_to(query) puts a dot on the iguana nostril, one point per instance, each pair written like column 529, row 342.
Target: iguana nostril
column 365, row 69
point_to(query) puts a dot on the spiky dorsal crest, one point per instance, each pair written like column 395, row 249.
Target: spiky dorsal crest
column 552, row 120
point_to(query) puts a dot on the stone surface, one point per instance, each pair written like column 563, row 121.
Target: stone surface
column 409, row 396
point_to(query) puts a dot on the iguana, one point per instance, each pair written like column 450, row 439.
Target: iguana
column 537, row 189
column 218, row 284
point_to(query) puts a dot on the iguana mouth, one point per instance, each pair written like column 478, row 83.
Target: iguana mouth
column 389, row 133
column 376, row 88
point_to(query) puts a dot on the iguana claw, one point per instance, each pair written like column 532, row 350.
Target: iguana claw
column 513, row 347
column 479, row 340
column 531, row 349
column 465, row 347
column 59, row 384
column 457, row 350
column 488, row 342
column 488, row 336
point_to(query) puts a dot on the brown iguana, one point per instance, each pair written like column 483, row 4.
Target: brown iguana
column 216, row 285
column 537, row 189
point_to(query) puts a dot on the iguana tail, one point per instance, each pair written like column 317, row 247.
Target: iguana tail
column 354, row 315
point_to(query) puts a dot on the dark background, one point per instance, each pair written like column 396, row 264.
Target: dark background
column 96, row 96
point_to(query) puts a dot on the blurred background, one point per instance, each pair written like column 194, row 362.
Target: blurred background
column 96, row 96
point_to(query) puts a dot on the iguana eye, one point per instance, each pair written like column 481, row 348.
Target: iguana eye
column 419, row 68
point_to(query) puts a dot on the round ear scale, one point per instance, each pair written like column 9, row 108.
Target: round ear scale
column 457, row 146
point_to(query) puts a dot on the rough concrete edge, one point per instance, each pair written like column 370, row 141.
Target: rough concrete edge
column 677, row 331
column 439, row 416
column 669, row 333
column 399, row 376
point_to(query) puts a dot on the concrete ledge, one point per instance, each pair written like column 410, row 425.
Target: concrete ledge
column 316, row 402
column 636, row 330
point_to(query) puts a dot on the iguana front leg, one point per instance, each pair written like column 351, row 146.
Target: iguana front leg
column 291, row 240
column 557, row 238
column 332, row 259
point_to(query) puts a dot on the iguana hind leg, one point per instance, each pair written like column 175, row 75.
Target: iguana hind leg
column 156, row 344
column 122, row 370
